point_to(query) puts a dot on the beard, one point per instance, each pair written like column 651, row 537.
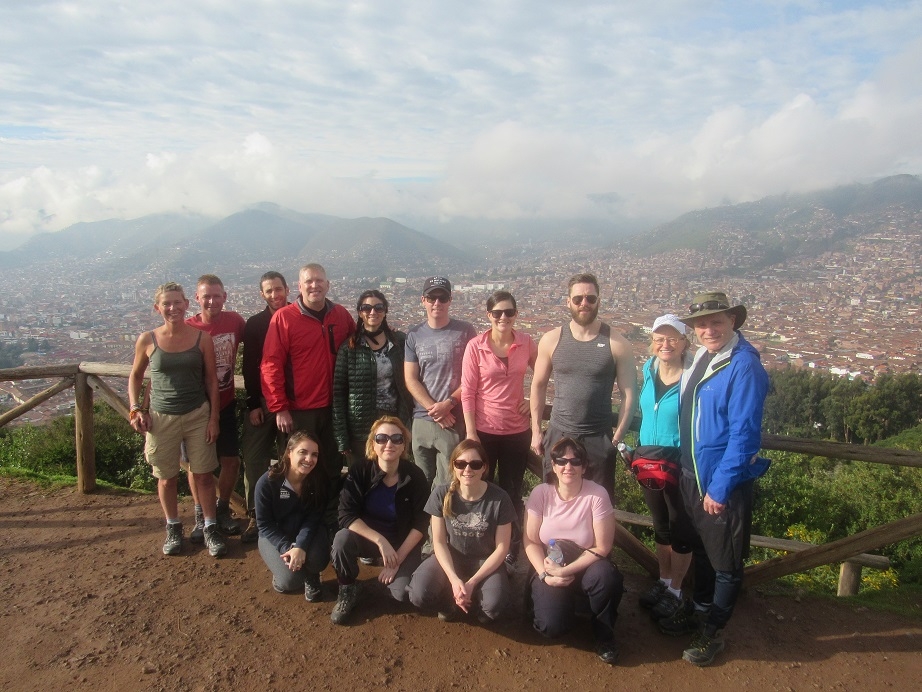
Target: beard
column 584, row 318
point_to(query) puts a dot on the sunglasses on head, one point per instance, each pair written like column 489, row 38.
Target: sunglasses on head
column 708, row 305
column 590, row 299
column 563, row 461
column 377, row 307
column 496, row 314
column 440, row 298
column 396, row 438
column 475, row 464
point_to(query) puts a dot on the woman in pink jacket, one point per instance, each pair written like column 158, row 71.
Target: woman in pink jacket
column 493, row 400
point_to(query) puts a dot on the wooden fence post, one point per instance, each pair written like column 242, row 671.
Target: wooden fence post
column 849, row 579
column 85, row 438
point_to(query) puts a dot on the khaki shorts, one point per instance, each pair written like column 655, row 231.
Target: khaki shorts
column 169, row 432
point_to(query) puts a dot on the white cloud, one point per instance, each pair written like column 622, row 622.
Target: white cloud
column 483, row 109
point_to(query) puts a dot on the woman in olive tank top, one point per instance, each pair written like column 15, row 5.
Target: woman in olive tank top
column 183, row 411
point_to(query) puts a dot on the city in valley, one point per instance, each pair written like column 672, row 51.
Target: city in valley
column 852, row 312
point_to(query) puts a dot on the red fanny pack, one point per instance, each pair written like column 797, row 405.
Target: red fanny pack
column 655, row 466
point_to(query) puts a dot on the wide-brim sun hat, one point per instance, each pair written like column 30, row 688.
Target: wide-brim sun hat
column 711, row 303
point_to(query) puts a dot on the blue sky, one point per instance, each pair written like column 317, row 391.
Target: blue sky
column 443, row 110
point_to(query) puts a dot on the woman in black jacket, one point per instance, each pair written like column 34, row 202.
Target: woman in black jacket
column 381, row 514
column 290, row 499
column 368, row 379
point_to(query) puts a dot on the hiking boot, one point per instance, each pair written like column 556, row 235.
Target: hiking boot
column 198, row 531
column 225, row 522
column 667, row 606
column 685, row 620
column 704, row 647
column 449, row 615
column 214, row 541
column 173, row 543
column 250, row 533
column 607, row 652
column 313, row 591
column 345, row 602
column 651, row 597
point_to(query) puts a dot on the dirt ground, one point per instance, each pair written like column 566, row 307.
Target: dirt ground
column 89, row 602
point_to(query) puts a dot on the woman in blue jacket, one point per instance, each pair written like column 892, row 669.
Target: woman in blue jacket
column 659, row 406
column 290, row 499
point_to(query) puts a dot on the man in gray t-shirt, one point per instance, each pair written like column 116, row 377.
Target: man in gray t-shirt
column 432, row 365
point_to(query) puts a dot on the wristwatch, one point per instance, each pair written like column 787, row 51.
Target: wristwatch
column 542, row 576
column 453, row 401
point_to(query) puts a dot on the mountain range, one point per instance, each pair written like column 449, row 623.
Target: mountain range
column 764, row 232
column 775, row 229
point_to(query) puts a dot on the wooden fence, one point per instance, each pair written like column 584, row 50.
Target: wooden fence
column 86, row 380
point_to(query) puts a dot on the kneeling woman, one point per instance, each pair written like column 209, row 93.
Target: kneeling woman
column 578, row 510
column 290, row 499
column 471, row 532
column 380, row 515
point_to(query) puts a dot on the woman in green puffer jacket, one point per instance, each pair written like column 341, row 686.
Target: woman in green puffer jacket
column 368, row 379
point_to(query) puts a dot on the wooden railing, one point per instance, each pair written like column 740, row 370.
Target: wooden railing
column 86, row 380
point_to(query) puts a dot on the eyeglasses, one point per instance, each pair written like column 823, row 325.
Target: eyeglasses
column 708, row 305
column 578, row 300
column 508, row 312
column 367, row 307
column 382, row 439
column 440, row 298
column 671, row 340
column 475, row 464
column 563, row 461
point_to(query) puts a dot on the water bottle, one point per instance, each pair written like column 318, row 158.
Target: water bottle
column 554, row 553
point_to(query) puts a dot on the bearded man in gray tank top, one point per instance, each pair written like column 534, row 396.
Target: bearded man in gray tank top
column 586, row 359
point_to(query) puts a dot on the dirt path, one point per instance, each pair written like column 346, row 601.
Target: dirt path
column 89, row 602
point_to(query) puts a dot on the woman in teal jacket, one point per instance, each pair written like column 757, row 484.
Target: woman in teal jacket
column 659, row 406
column 368, row 379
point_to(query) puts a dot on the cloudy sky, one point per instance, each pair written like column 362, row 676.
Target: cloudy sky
column 443, row 110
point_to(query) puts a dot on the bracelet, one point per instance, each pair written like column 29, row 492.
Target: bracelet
column 136, row 412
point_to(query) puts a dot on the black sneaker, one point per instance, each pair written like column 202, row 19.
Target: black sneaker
column 250, row 533
column 345, row 602
column 214, row 541
column 704, row 648
column 198, row 531
column 666, row 607
column 651, row 597
column 313, row 590
column 684, row 621
column 225, row 522
column 173, row 543
column 607, row 652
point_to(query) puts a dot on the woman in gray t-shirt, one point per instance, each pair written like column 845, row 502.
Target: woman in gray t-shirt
column 471, row 531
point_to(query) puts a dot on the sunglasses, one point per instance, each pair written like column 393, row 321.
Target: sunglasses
column 590, row 299
column 496, row 314
column 377, row 307
column 441, row 298
column 382, row 439
column 708, row 305
column 563, row 461
column 475, row 464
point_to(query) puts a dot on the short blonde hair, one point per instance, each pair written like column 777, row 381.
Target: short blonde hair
column 166, row 288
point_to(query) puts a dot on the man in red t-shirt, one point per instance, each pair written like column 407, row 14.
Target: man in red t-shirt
column 226, row 330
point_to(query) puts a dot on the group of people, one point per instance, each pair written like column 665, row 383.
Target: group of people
column 436, row 433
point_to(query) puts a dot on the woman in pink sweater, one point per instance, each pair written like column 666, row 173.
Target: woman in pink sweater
column 493, row 400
